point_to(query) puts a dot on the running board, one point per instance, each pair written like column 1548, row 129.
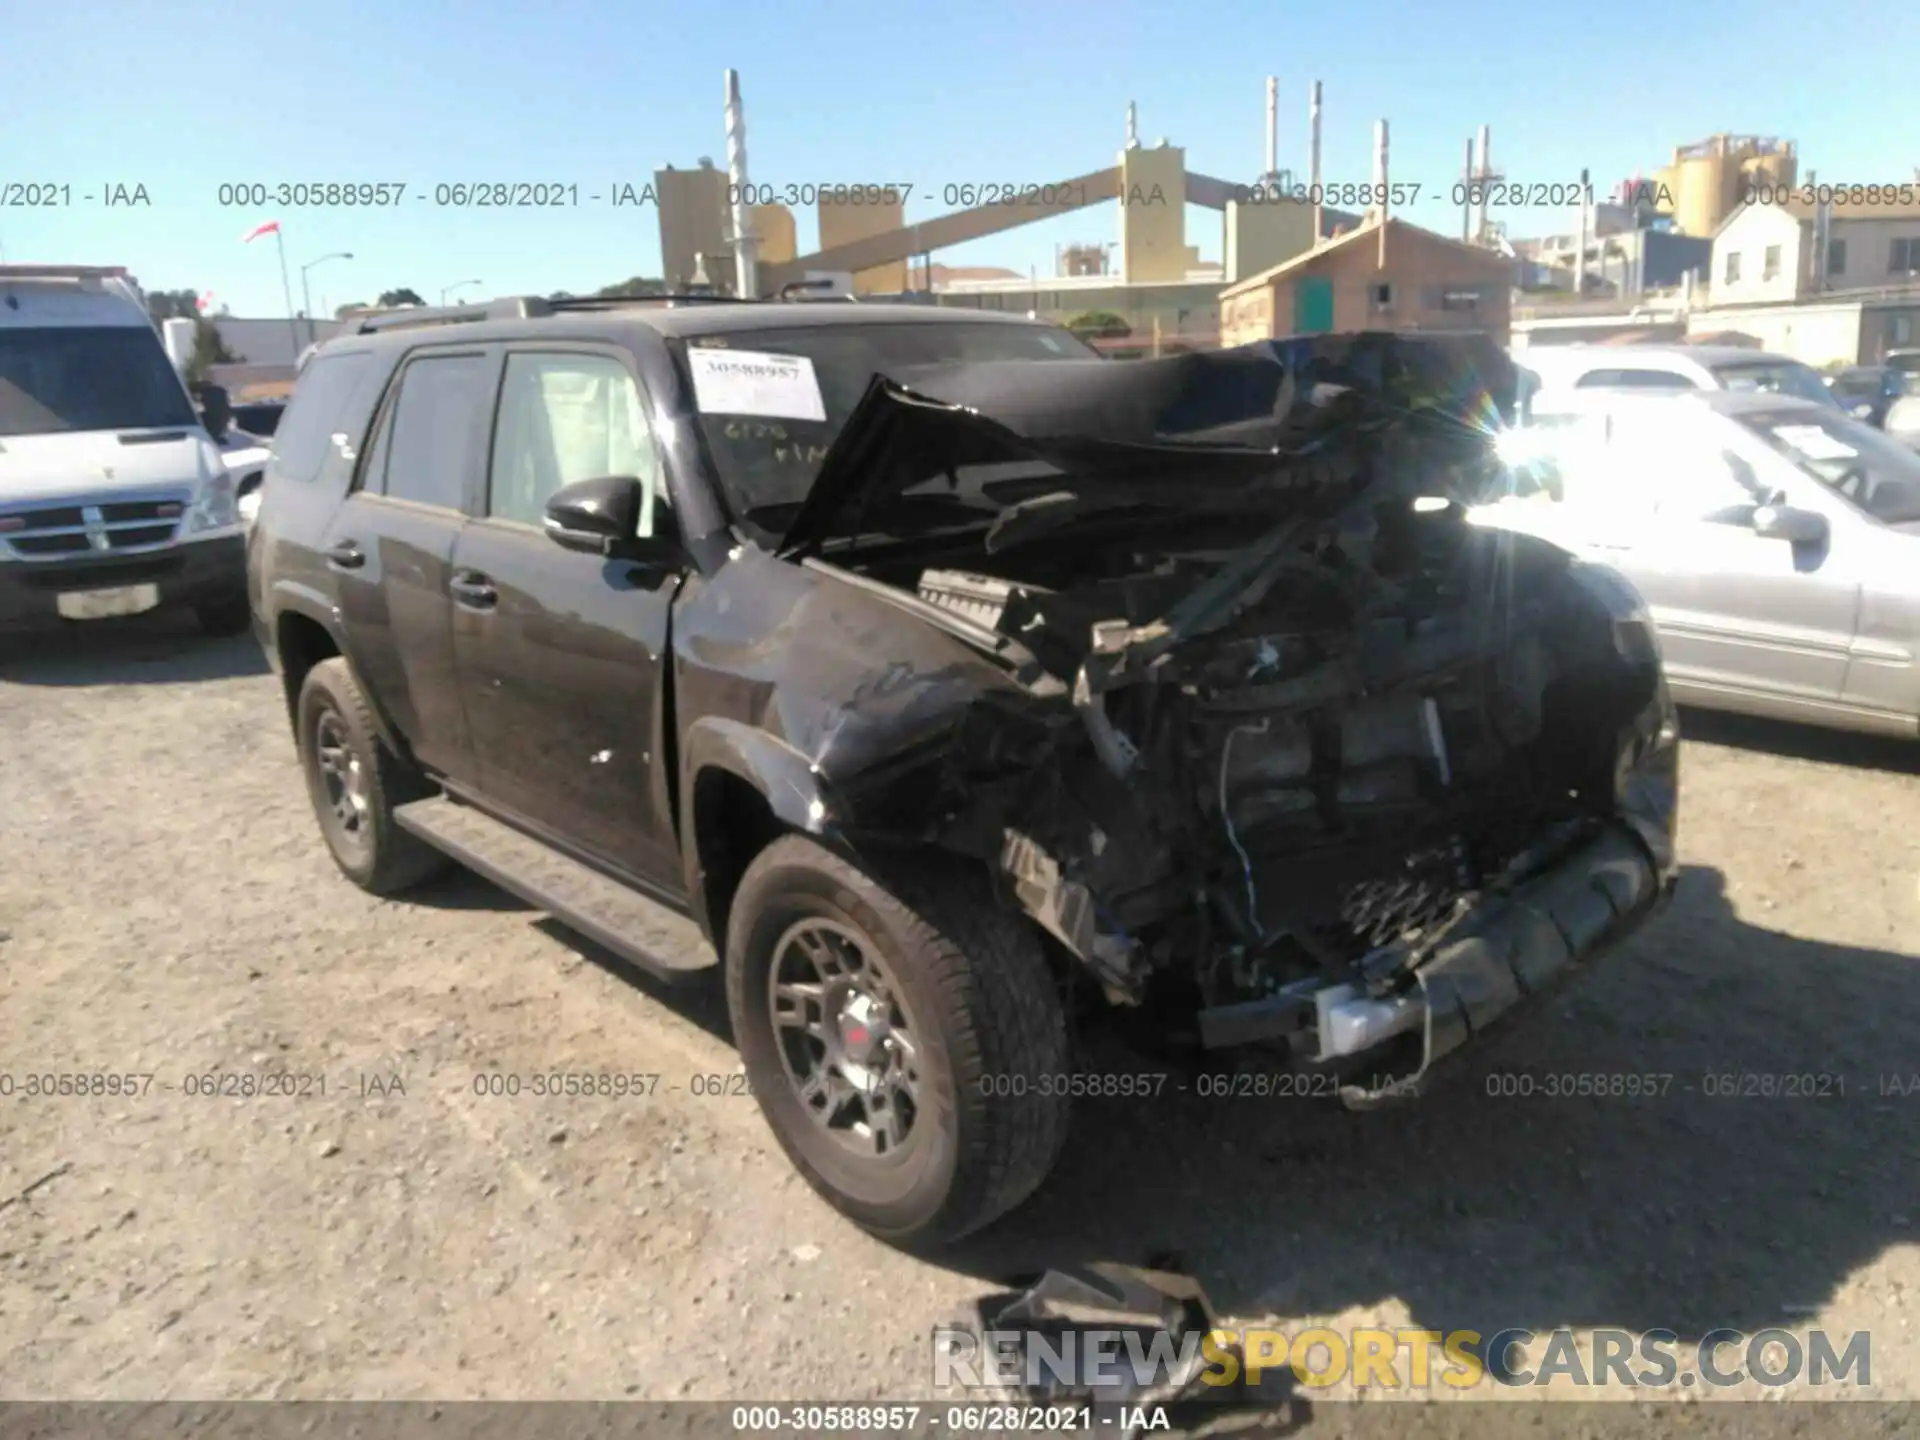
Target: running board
column 636, row 928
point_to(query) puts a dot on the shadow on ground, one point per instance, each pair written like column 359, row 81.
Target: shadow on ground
column 461, row 889
column 699, row 997
column 1801, row 742
column 1686, row 1212
column 163, row 648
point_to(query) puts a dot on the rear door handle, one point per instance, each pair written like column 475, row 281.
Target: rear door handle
column 473, row 590
column 347, row 556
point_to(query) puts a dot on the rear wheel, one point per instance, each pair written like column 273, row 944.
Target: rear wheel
column 355, row 782
column 903, row 1038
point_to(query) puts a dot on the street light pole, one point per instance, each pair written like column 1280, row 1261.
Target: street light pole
column 447, row 290
column 306, row 294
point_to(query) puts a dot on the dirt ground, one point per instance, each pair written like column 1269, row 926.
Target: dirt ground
column 167, row 910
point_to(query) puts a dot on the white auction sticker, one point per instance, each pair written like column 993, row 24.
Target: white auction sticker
column 753, row 382
column 1815, row 443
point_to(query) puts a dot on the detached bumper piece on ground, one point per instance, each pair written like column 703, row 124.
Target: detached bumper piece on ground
column 1073, row 1337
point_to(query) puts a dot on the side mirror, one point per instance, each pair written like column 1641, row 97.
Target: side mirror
column 602, row 517
column 1862, row 411
column 1784, row 522
column 216, row 410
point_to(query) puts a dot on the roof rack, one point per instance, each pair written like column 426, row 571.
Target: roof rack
column 63, row 272
column 518, row 308
column 528, row 307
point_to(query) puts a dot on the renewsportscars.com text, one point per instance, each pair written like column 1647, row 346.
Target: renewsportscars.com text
column 1399, row 1359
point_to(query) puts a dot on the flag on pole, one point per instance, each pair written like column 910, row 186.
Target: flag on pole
column 272, row 227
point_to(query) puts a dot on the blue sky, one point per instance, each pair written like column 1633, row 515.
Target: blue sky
column 593, row 93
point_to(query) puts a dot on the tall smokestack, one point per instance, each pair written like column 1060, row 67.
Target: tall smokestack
column 1313, row 158
column 1380, row 188
column 746, row 245
column 1273, row 126
column 1486, row 169
column 1466, row 197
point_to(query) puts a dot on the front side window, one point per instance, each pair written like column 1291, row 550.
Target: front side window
column 56, row 379
column 430, row 451
column 1634, row 466
column 565, row 418
column 1674, row 465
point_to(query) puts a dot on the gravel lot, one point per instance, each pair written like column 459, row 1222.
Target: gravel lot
column 167, row 909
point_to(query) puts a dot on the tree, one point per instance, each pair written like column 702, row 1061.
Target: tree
column 390, row 298
column 561, row 295
column 638, row 286
column 1100, row 325
column 173, row 305
column 340, row 312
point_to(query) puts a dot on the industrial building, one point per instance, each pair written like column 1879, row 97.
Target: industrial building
column 1384, row 275
column 1707, row 180
column 1154, row 273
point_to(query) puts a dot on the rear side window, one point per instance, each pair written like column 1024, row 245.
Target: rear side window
column 436, row 431
column 1634, row 379
column 315, row 413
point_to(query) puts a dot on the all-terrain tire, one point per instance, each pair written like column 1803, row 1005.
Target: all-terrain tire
column 381, row 858
column 988, row 1024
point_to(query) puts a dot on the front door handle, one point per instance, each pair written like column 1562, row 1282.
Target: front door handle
column 473, row 590
column 347, row 556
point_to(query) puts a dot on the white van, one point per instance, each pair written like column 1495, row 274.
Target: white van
column 114, row 499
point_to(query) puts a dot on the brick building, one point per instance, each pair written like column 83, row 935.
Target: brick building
column 1415, row 280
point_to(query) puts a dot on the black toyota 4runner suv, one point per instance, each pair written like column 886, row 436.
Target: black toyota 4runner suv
column 942, row 682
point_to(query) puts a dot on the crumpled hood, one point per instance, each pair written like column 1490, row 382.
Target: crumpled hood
column 1226, row 418
column 75, row 463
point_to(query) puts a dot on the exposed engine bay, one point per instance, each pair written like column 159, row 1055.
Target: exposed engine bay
column 1307, row 716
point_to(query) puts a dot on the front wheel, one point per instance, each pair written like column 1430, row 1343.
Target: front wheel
column 905, row 1040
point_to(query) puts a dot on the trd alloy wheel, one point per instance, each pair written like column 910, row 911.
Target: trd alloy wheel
column 898, row 1033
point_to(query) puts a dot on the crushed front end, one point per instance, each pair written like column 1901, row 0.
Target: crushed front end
column 1320, row 765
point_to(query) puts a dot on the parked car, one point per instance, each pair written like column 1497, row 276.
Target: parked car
column 1902, row 418
column 950, row 679
column 1776, row 541
column 1560, row 368
column 1867, row 392
column 114, row 497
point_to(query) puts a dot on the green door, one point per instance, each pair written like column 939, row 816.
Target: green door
column 1312, row 305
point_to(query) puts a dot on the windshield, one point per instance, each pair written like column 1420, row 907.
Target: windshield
column 1879, row 475
column 88, row 378
column 1776, row 377
column 769, row 420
